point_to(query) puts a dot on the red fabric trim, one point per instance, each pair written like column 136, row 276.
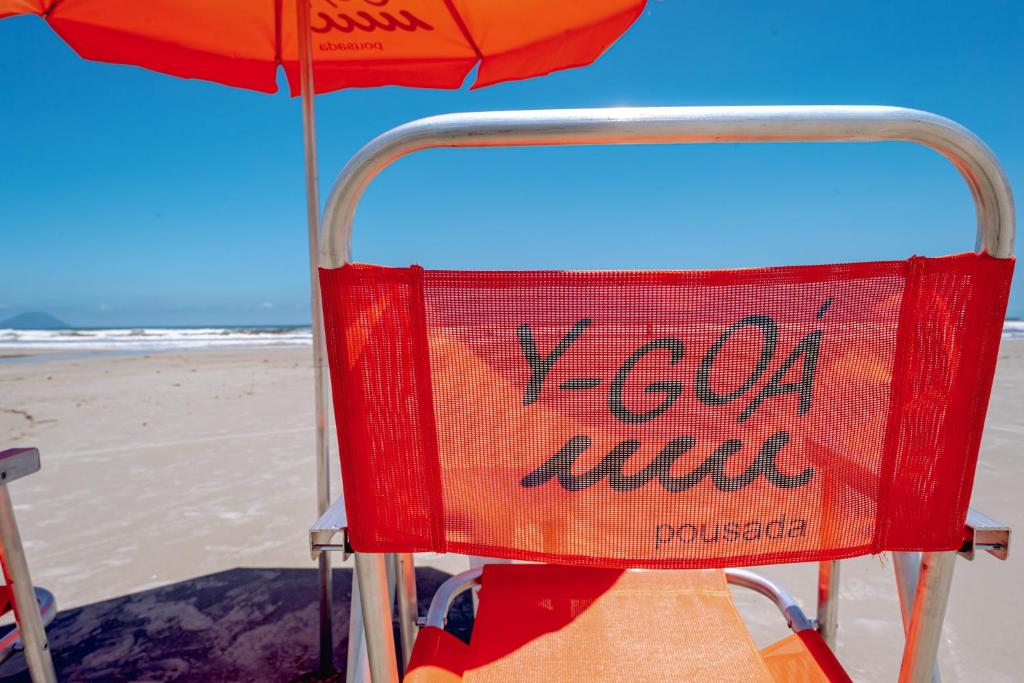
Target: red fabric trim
column 426, row 405
column 437, row 656
column 373, row 444
column 503, row 279
column 803, row 658
column 986, row 316
column 908, row 304
column 646, row 563
column 946, row 396
column 824, row 656
column 338, row 359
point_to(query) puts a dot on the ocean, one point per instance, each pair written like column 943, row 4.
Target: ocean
column 146, row 339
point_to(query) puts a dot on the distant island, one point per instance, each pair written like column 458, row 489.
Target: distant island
column 34, row 321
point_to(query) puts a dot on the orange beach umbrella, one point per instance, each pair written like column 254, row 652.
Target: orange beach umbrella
column 355, row 43
column 326, row 45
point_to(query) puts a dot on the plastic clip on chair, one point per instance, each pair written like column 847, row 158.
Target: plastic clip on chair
column 645, row 432
column 34, row 608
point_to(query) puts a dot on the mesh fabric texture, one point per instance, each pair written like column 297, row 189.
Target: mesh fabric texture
column 803, row 657
column 524, row 610
column 663, row 419
column 617, row 625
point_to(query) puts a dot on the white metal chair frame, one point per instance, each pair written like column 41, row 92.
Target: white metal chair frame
column 923, row 579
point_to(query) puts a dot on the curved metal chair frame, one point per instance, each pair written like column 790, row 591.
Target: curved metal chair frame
column 923, row 581
column 437, row 614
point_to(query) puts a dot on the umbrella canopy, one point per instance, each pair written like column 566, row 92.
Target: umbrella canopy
column 356, row 43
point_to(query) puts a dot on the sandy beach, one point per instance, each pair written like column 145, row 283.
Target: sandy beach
column 177, row 488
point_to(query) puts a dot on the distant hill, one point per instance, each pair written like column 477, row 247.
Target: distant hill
column 34, row 321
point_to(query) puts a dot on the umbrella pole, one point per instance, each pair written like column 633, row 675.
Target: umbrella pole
column 323, row 473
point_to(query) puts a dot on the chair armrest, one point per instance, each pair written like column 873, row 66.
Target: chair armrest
column 444, row 596
column 981, row 532
column 16, row 463
column 334, row 521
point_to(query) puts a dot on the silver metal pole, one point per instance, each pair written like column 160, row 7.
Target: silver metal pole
column 408, row 610
column 321, row 384
column 929, row 611
column 649, row 125
column 795, row 617
column 907, row 567
column 357, row 668
column 23, row 597
column 828, row 601
column 371, row 571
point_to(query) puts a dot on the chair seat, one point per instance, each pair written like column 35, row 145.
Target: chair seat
column 553, row 623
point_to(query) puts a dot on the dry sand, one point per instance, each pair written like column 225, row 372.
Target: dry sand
column 170, row 521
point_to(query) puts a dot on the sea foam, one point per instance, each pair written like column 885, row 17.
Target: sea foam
column 155, row 338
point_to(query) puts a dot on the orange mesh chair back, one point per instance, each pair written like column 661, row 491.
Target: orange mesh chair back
column 681, row 420
column 663, row 419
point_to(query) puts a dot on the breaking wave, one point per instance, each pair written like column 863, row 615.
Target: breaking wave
column 155, row 338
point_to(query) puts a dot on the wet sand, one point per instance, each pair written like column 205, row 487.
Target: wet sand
column 177, row 488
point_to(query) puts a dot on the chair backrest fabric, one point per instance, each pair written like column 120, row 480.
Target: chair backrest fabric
column 663, row 419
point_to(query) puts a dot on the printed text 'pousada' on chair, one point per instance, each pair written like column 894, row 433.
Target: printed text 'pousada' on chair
column 639, row 432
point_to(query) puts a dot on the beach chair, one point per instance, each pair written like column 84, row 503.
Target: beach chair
column 634, row 438
column 33, row 608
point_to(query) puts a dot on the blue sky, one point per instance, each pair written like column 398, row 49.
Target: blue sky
column 132, row 198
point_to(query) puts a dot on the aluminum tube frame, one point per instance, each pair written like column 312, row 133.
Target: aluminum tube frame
column 795, row 617
column 828, row 601
column 444, row 596
column 408, row 609
column 357, row 668
column 372, row 574
column 660, row 125
column 907, row 568
column 320, row 381
column 358, row 664
column 437, row 615
column 23, row 596
column 924, row 631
